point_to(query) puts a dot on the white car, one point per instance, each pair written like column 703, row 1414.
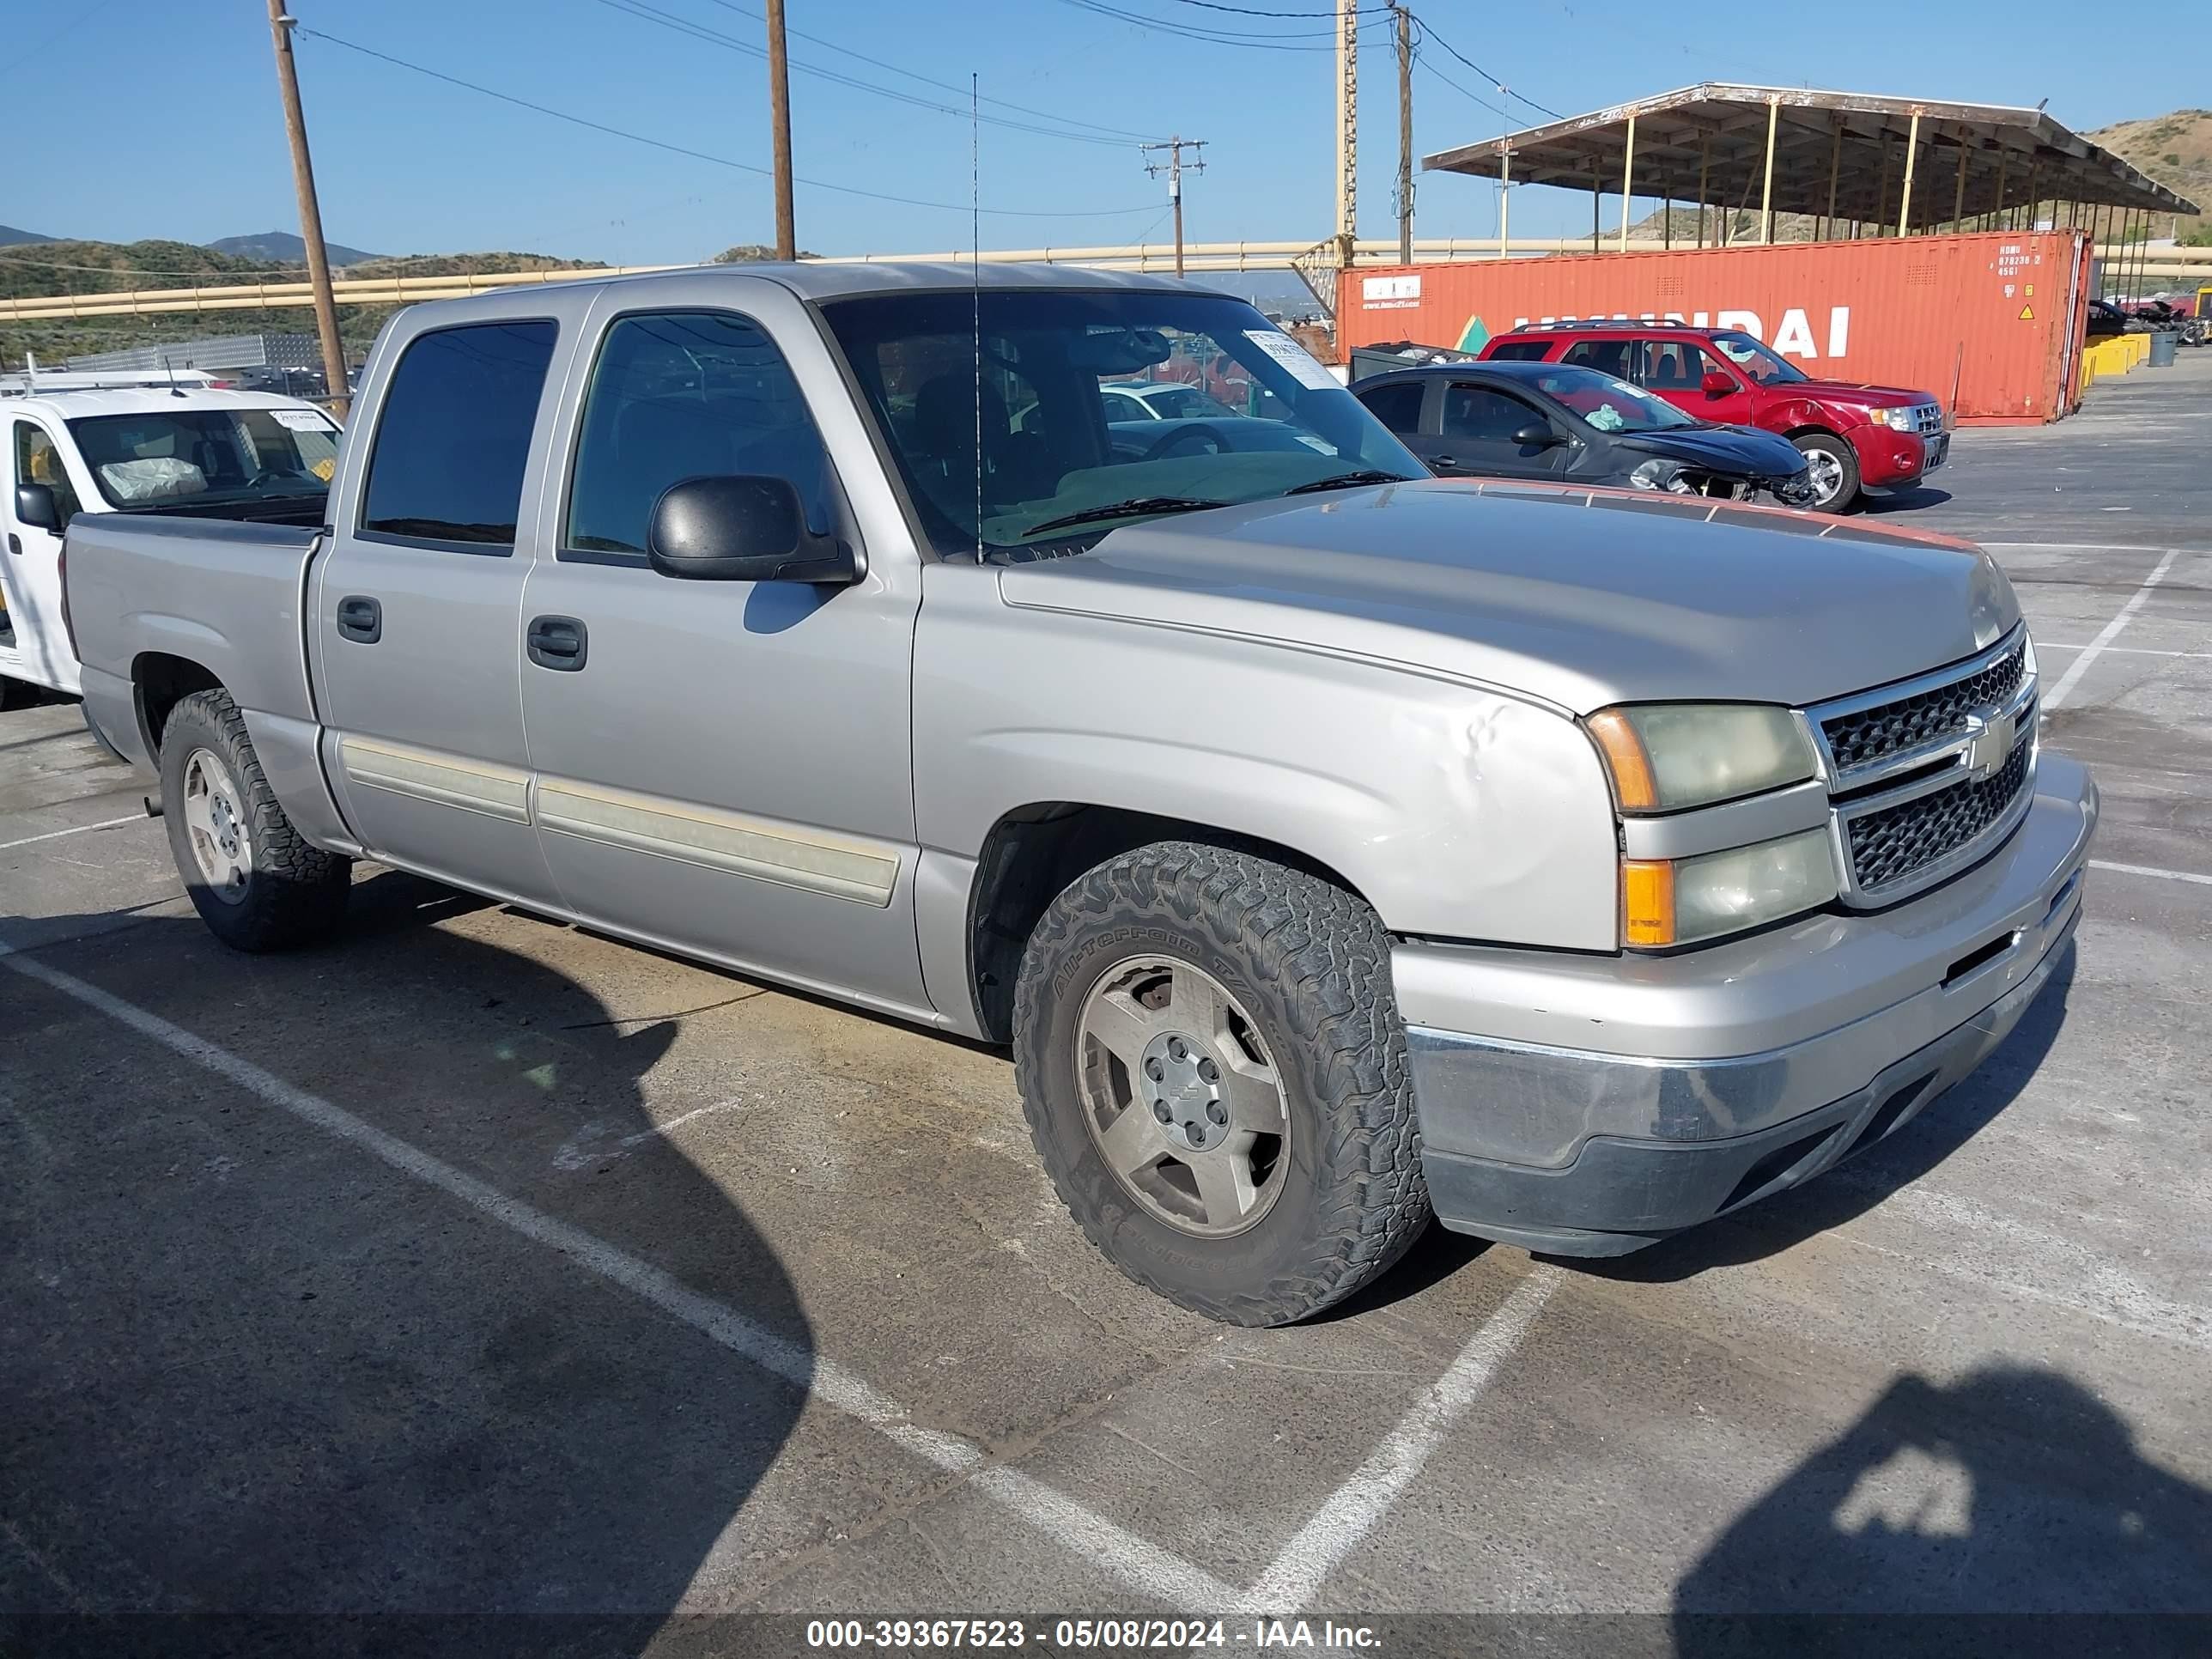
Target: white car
column 1160, row 400
column 186, row 451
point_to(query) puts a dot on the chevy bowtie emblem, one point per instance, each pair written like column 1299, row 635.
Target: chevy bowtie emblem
column 1989, row 746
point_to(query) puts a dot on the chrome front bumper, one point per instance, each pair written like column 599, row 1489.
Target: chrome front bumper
column 1591, row 1105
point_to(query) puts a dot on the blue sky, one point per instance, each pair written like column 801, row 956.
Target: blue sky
column 164, row 121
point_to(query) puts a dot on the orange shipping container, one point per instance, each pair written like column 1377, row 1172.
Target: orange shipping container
column 1991, row 323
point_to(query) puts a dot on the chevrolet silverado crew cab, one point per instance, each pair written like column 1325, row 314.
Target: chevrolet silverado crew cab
column 1856, row 440
column 75, row 445
column 1335, row 847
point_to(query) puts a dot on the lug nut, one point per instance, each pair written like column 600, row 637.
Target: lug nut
column 1197, row 1132
column 1160, row 1111
column 1209, row 1071
column 1176, row 1049
column 1218, row 1114
column 1154, row 1070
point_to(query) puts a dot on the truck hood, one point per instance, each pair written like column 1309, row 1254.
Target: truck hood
column 1858, row 393
column 1578, row 597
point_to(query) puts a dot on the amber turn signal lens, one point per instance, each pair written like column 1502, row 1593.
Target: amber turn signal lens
column 1633, row 787
column 1647, row 902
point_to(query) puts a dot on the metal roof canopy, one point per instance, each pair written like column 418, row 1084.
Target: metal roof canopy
column 1837, row 155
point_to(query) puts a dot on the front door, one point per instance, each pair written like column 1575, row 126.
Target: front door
column 723, row 767
column 33, row 644
column 417, row 611
column 1479, row 431
column 1681, row 372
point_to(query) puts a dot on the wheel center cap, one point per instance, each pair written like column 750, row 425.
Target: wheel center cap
column 1180, row 1084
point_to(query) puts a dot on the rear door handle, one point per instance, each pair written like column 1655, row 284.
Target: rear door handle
column 1444, row 461
column 557, row 643
column 361, row 619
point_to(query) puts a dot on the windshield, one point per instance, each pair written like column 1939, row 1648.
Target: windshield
column 204, row 456
column 1609, row 405
column 1057, row 368
column 1757, row 361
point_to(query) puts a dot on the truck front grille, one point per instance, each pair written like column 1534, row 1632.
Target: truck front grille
column 1868, row 735
column 1929, row 417
column 1927, row 775
column 1895, row 843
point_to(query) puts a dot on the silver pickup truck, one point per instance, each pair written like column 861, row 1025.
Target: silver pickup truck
column 1333, row 847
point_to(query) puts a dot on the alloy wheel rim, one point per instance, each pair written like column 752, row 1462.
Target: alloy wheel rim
column 1828, row 475
column 215, row 826
column 1181, row 1097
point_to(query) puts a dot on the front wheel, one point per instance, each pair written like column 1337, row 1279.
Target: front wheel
column 1833, row 468
column 254, row 880
column 1214, row 1074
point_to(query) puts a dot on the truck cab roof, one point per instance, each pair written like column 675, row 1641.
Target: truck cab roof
column 67, row 405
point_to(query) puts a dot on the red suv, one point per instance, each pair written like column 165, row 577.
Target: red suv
column 1855, row 439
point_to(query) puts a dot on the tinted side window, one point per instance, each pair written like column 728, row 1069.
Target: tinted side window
column 1677, row 366
column 1478, row 413
column 38, row 462
column 687, row 394
column 1520, row 351
column 453, row 436
column 1606, row 357
column 1397, row 406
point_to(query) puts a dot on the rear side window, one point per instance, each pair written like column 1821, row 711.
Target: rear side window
column 1397, row 406
column 452, row 440
column 687, row 394
column 1612, row 357
column 1519, row 351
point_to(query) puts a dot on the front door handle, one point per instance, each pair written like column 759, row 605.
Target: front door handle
column 1443, row 461
column 361, row 619
column 557, row 643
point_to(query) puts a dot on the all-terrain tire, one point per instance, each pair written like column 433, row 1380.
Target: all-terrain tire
column 295, row 893
column 1823, row 451
column 1310, row 965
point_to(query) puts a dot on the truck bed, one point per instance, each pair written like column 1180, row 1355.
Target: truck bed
column 222, row 593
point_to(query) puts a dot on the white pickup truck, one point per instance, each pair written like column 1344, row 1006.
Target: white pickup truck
column 76, row 444
column 1333, row 846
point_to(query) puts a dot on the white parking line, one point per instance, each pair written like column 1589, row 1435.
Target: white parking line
column 2123, row 650
column 1298, row 1572
column 2079, row 665
column 1141, row 1566
column 2150, row 870
column 80, row 829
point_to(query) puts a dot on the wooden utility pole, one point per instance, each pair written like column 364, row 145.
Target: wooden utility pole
column 1405, row 21
column 779, row 116
column 1347, row 131
column 1173, row 168
column 311, row 215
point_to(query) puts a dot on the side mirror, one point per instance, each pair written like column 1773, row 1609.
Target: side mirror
column 1535, row 435
column 1716, row 384
column 742, row 529
column 35, row 506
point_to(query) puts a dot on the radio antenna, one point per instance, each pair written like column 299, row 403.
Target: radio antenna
column 976, row 283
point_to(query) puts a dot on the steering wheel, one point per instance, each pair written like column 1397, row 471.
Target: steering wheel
column 1189, row 441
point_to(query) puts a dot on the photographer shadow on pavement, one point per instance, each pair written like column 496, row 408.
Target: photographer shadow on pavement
column 269, row 1388
column 1867, row 1175
column 2006, row 1512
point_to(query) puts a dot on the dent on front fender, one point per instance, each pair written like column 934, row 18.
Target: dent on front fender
column 1456, row 811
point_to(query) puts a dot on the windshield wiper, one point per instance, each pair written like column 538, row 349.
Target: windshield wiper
column 1347, row 481
column 1136, row 507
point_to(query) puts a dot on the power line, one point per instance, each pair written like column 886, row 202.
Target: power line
column 942, row 86
column 717, row 160
column 1428, row 32
column 650, row 14
column 1287, row 41
column 1255, row 11
column 1461, row 90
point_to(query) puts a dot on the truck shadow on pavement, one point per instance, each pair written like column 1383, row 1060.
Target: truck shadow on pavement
column 268, row 1393
column 2009, row 1511
column 1866, row 1176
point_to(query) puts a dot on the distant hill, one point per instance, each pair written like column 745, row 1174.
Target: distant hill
column 11, row 237
column 2174, row 149
column 282, row 248
column 64, row 267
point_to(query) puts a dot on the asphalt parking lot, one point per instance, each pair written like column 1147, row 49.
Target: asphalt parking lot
column 473, row 1264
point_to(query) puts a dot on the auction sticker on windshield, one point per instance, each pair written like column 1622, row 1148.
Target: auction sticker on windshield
column 1291, row 355
column 301, row 420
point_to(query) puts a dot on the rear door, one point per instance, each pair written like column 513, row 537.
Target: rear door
column 726, row 767
column 1477, row 428
column 417, row 611
column 34, row 645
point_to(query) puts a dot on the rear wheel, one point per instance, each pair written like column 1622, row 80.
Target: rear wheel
column 1833, row 468
column 1213, row 1072
column 255, row 881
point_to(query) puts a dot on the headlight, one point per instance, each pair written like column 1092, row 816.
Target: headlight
column 1667, row 755
column 1682, row 901
column 1899, row 420
column 1661, row 475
